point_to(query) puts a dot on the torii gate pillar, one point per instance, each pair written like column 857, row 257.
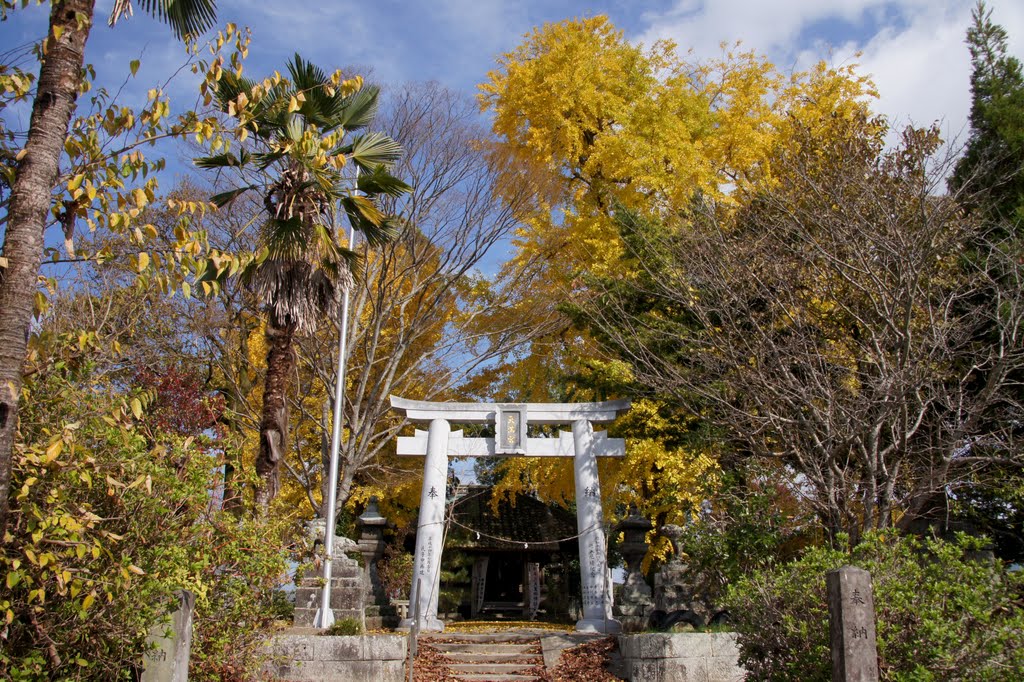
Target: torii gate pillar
column 426, row 572
column 510, row 422
column 594, row 575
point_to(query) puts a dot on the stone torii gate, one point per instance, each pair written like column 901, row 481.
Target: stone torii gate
column 510, row 422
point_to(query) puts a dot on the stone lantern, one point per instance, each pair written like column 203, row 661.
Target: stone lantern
column 635, row 603
column 371, row 545
column 673, row 593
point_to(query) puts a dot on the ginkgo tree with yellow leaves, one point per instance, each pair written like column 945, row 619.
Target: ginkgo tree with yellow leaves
column 597, row 126
column 591, row 123
column 594, row 123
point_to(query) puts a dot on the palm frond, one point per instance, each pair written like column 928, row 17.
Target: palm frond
column 285, row 239
column 368, row 219
column 230, row 86
column 264, row 161
column 224, row 198
column 225, row 160
column 310, row 79
column 294, row 127
column 122, row 8
column 183, row 16
column 302, row 292
column 298, row 292
column 379, row 181
column 305, row 75
column 355, row 111
column 373, row 149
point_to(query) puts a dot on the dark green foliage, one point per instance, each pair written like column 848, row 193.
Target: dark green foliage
column 990, row 178
column 455, row 581
column 993, row 163
column 942, row 612
column 994, row 508
column 752, row 521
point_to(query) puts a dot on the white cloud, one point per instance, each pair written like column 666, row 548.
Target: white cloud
column 914, row 49
column 923, row 72
column 770, row 27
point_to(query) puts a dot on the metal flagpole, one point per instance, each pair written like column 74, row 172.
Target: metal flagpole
column 324, row 617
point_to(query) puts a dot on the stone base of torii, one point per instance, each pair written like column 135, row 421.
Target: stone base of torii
column 510, row 425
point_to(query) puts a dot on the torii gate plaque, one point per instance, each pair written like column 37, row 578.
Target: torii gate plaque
column 510, row 422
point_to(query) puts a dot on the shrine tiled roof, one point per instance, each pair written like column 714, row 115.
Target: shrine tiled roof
column 528, row 522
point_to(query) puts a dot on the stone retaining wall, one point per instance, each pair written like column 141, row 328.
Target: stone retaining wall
column 369, row 658
column 680, row 657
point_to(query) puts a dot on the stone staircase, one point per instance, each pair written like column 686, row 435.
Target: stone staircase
column 493, row 657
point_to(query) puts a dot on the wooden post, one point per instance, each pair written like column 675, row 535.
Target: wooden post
column 851, row 608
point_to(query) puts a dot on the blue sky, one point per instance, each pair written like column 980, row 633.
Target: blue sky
column 913, row 48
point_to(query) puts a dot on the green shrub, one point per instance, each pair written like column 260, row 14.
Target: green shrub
column 243, row 569
column 941, row 614
column 108, row 519
column 345, row 627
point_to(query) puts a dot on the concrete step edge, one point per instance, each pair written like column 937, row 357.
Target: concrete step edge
column 481, row 647
column 491, row 668
column 496, row 678
column 468, row 657
column 510, row 637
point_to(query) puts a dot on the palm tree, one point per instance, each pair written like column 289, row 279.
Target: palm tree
column 296, row 162
column 37, row 172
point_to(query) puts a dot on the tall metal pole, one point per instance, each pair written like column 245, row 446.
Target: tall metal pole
column 324, row 617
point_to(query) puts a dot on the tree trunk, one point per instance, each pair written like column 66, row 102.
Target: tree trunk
column 236, row 393
column 274, row 422
column 345, row 480
column 326, row 436
column 35, row 176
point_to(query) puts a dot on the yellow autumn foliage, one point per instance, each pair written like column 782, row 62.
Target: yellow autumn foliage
column 601, row 123
column 592, row 123
column 664, row 483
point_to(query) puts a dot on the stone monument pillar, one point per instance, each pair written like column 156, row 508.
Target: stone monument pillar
column 426, row 576
column 347, row 580
column 597, row 598
column 851, row 609
column 168, row 661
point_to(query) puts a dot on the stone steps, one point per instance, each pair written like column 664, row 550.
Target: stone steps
column 498, row 678
column 494, row 657
column 484, row 648
column 491, row 657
